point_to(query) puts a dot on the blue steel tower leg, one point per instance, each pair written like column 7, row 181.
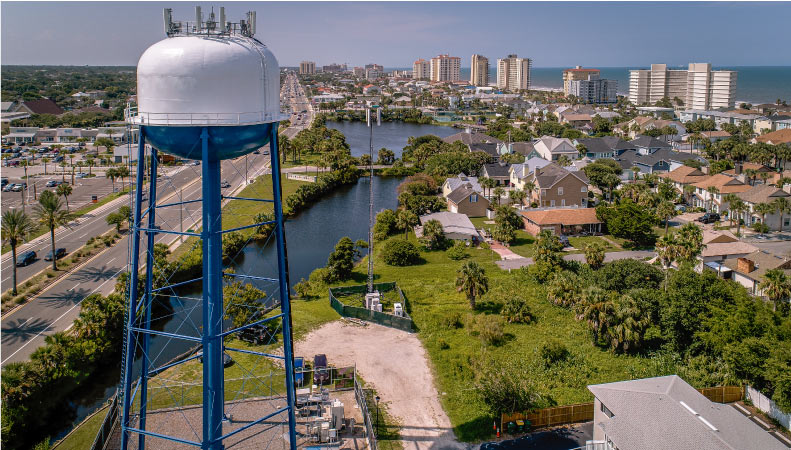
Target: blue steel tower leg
column 285, row 297
column 152, row 204
column 133, row 294
column 213, row 395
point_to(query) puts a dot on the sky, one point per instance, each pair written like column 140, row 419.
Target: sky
column 394, row 34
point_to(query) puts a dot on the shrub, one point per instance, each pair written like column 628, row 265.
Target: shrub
column 232, row 244
column 516, row 310
column 489, row 328
column 458, row 251
column 398, row 252
column 451, row 320
column 759, row 227
column 443, row 345
column 385, row 224
column 509, row 386
column 553, row 351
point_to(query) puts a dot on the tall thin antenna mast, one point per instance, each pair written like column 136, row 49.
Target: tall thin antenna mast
column 370, row 119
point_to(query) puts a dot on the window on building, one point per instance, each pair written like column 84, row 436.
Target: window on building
column 606, row 411
column 551, row 203
column 474, row 198
column 584, row 189
column 562, row 202
column 560, row 190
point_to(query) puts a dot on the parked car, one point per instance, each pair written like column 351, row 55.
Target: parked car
column 225, row 184
column 58, row 158
column 8, row 187
column 81, row 175
column 59, row 253
column 681, row 208
column 4, row 182
column 53, row 183
column 26, row 258
column 226, row 359
column 321, row 374
column 709, row 217
column 17, row 187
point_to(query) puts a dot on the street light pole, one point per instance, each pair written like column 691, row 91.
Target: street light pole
column 376, row 433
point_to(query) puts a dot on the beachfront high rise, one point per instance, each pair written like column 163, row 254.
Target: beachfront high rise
column 513, row 73
column 421, row 69
column 479, row 71
column 445, row 68
column 575, row 74
column 698, row 87
column 307, row 68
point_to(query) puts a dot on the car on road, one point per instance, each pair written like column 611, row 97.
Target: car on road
column 53, row 183
column 709, row 217
column 59, row 253
column 26, row 258
column 225, row 184
column 81, row 175
column 256, row 152
column 17, row 187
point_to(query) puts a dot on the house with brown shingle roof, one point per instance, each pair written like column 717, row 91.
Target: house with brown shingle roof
column 40, row 106
column 720, row 246
column 749, row 270
column 725, row 185
column 556, row 186
column 775, row 137
column 764, row 193
column 567, row 221
column 683, row 176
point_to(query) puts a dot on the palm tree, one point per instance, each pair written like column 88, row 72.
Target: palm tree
column 730, row 198
column 595, row 307
column 594, row 255
column 498, row 194
column 738, row 206
column 667, row 249
column 629, row 324
column 665, row 211
column 517, row 196
column 712, row 190
column 90, row 162
column 406, row 220
column 530, row 186
column 50, row 213
column 63, row 171
column 763, row 209
column 45, row 160
column 111, row 174
column 688, row 191
column 486, row 183
column 123, row 172
column 16, row 227
column 776, row 285
column 64, row 190
column 782, row 205
column 472, row 281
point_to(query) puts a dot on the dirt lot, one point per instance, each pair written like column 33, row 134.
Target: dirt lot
column 396, row 364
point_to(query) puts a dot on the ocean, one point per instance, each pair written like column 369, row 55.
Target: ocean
column 754, row 84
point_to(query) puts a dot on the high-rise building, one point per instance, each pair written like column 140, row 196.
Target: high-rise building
column 594, row 90
column 359, row 71
column 375, row 67
column 479, row 71
column 513, row 73
column 421, row 69
column 445, row 68
column 334, row 68
column 577, row 73
column 698, row 87
column 307, row 67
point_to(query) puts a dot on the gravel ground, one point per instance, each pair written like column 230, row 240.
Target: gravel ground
column 396, row 365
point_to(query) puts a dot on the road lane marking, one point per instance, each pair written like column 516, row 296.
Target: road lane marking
column 61, row 316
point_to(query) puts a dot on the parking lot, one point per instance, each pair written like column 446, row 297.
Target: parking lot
column 83, row 189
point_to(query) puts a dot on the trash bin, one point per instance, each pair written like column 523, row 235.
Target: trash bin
column 527, row 425
column 94, row 198
column 511, row 427
column 520, row 426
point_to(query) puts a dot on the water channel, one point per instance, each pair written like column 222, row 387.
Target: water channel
column 310, row 237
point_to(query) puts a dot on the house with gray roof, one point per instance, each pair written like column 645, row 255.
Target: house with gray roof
column 764, row 193
column 499, row 172
column 469, row 137
column 465, row 200
column 456, row 226
column 604, row 147
column 520, row 173
column 552, row 148
column 451, row 184
column 666, row 413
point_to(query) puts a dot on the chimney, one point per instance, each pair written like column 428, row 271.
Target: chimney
column 738, row 169
column 745, row 265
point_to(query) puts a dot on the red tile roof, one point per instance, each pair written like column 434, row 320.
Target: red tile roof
column 580, row 216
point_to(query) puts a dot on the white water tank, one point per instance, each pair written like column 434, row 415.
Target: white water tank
column 208, row 80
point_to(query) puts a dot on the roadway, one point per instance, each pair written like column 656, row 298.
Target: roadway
column 55, row 309
column 294, row 95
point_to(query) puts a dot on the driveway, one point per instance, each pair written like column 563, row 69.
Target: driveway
column 508, row 264
column 564, row 438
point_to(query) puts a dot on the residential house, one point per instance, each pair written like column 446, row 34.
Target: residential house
column 466, row 200
column 664, row 413
column 764, row 193
column 490, row 148
column 40, row 106
column 499, row 172
column 684, row 176
column 552, row 148
column 561, row 221
column 749, row 270
column 741, row 168
column 719, row 246
column 520, row 174
column 724, row 185
column 370, row 89
column 451, row 184
column 455, row 225
column 775, row 137
column 575, row 119
column 641, row 124
column 469, row 137
column 557, row 186
column 719, row 117
column 651, row 155
column 603, row 147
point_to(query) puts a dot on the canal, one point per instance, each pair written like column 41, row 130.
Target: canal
column 390, row 135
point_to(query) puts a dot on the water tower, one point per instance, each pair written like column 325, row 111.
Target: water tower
column 208, row 92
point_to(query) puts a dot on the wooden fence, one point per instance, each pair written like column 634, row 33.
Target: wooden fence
column 583, row 412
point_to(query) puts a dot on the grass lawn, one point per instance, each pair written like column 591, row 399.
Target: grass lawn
column 581, row 241
column 457, row 353
column 82, row 437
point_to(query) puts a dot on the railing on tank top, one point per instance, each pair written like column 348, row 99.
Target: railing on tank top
column 166, row 119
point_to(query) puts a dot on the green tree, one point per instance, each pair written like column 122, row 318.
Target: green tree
column 433, row 234
column 604, row 174
column 782, row 205
column 64, row 190
column 665, row 211
column 386, row 156
column 712, row 191
column 564, row 289
column 406, row 220
column 116, row 219
column 498, row 194
column 628, row 325
column 244, row 303
column 630, row 221
column 16, row 226
column 594, row 255
column 596, row 308
column 472, row 281
column 776, row 285
column 763, row 209
column 547, row 247
column 50, row 214
column 341, row 261
column 517, row 196
column 397, row 252
column 111, row 174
